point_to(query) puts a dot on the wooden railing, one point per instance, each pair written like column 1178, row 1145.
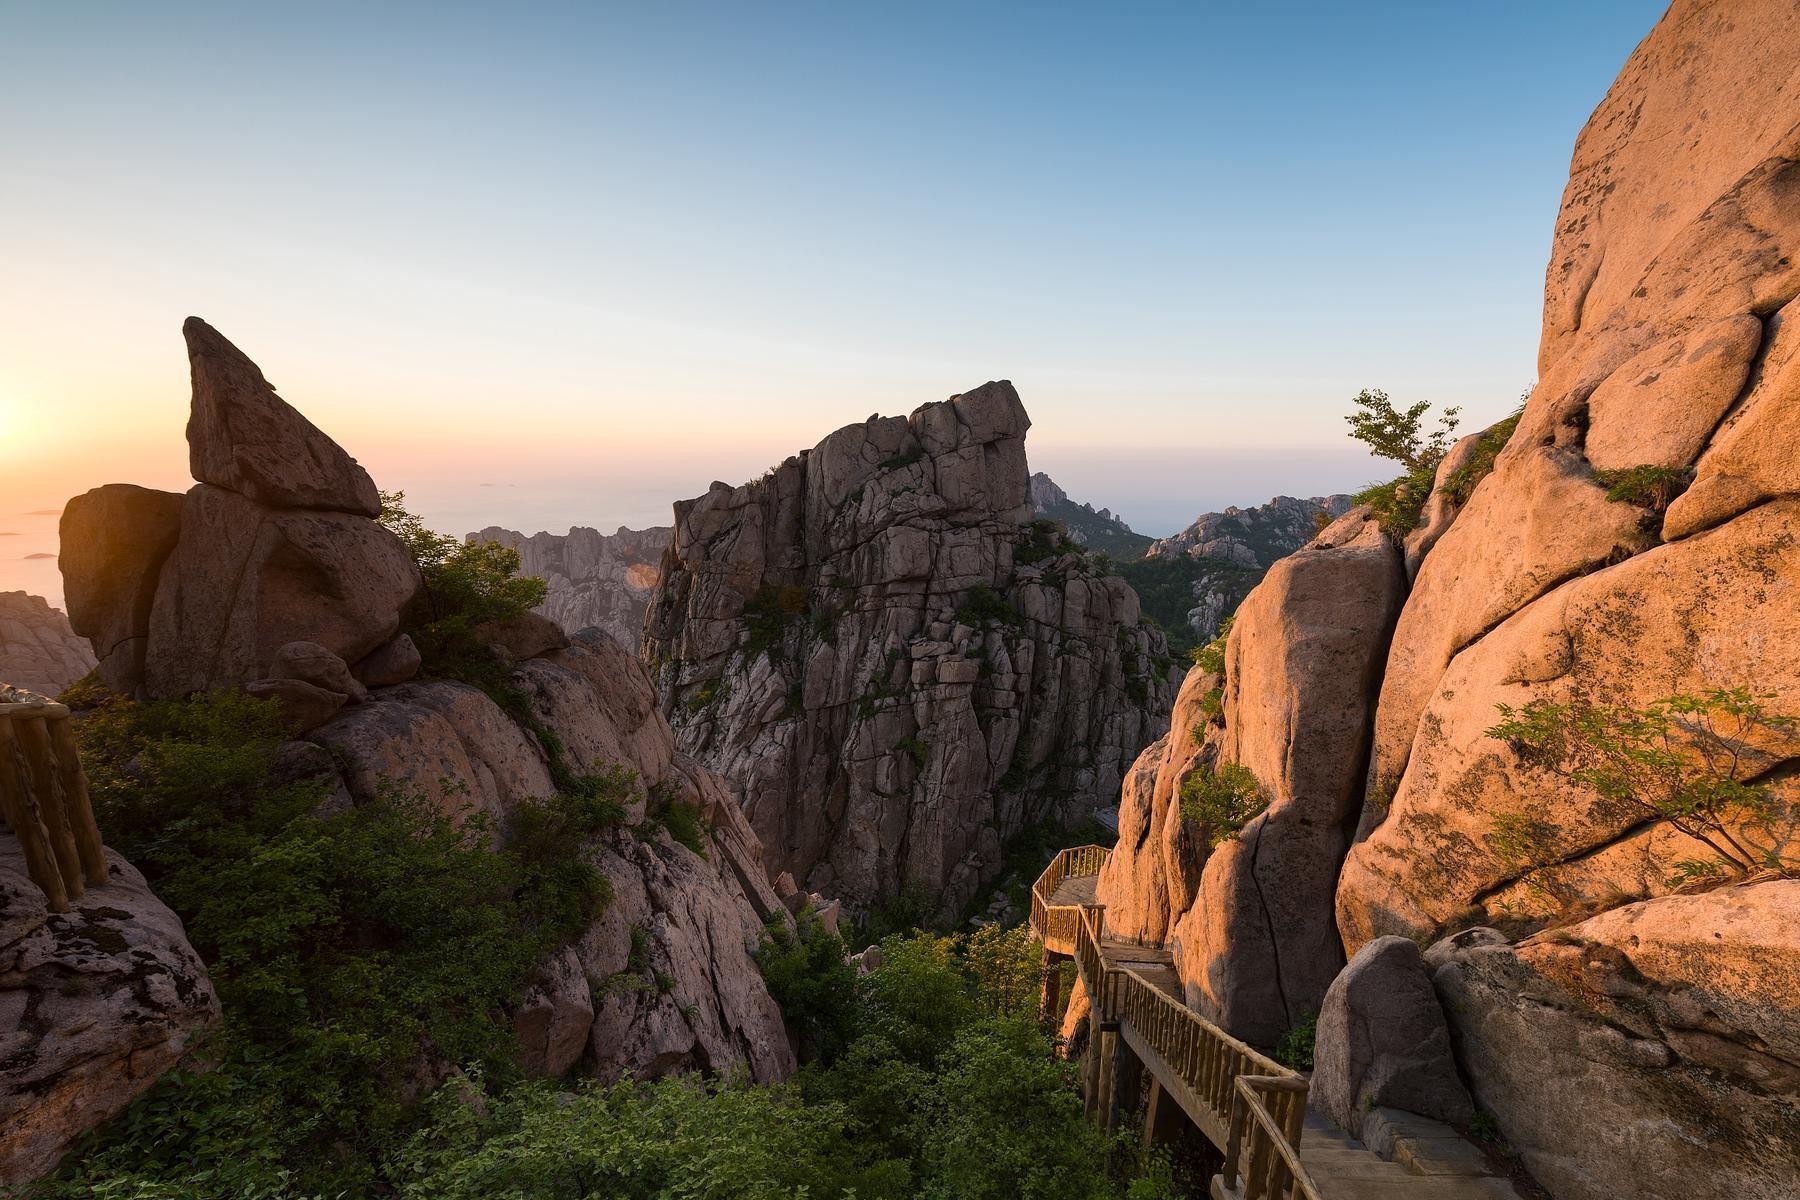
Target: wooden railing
column 44, row 798
column 1263, row 1150
column 1246, row 1103
column 1056, row 925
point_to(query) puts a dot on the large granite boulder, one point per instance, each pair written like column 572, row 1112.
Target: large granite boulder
column 38, row 650
column 895, row 668
column 95, row 1004
column 246, row 579
column 1382, row 1042
column 246, row 439
column 114, row 540
column 1650, row 1051
column 1259, row 945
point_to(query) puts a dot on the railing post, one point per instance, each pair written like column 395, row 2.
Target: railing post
column 44, row 798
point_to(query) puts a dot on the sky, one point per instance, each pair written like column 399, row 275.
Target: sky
column 543, row 264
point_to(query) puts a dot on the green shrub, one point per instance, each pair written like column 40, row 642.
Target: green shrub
column 983, row 604
column 467, row 584
column 686, row 825
column 805, row 969
column 906, row 459
column 769, row 615
column 1223, row 799
column 1649, row 487
column 675, row 1138
column 1459, row 485
column 1295, row 1049
column 341, row 944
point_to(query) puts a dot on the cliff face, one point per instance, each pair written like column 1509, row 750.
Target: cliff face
column 38, row 649
column 892, row 664
column 1668, row 355
column 596, row 580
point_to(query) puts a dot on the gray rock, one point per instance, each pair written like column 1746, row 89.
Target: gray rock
column 304, row 706
column 893, row 668
column 314, row 664
column 595, row 580
column 95, row 1004
column 1382, row 1041
column 114, row 541
column 38, row 650
column 245, row 580
column 527, row 635
column 394, row 661
column 243, row 437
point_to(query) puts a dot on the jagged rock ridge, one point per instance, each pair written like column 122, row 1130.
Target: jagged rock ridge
column 38, row 649
column 595, row 580
column 1096, row 529
column 896, row 668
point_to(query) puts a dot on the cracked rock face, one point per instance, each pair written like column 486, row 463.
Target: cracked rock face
column 38, row 650
column 1259, row 946
column 1650, row 1051
column 95, row 1004
column 895, row 669
column 595, row 580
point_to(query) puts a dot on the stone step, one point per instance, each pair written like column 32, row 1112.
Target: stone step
column 1416, row 1187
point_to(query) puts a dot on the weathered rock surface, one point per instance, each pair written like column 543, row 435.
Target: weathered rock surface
column 1650, row 1051
column 114, row 541
column 1259, row 946
column 891, row 664
column 1382, row 1041
column 246, row 439
column 95, row 1004
column 38, row 650
column 602, row 580
column 246, row 579
column 1667, row 621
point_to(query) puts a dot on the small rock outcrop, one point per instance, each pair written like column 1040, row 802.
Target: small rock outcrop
column 595, row 580
column 893, row 664
column 1649, row 1051
column 38, row 650
column 1382, row 1042
column 95, row 1004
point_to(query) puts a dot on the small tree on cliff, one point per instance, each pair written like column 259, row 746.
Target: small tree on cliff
column 1685, row 759
column 1400, row 437
column 1223, row 798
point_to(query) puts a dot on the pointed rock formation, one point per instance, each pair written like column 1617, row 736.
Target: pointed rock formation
column 896, row 668
column 246, row 439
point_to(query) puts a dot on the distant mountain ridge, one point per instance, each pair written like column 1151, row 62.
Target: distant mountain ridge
column 596, row 580
column 1190, row 582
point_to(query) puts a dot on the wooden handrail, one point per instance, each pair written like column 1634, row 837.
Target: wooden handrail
column 1263, row 1149
column 44, row 798
column 1259, row 1104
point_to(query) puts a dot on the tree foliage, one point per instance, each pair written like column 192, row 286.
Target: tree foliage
column 1222, row 799
column 1690, row 760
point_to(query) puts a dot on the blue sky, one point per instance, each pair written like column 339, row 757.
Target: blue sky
column 595, row 256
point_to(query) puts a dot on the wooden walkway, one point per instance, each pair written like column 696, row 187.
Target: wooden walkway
column 1249, row 1106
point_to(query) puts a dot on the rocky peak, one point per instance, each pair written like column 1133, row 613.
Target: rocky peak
column 1096, row 529
column 1255, row 536
column 893, row 664
column 594, row 580
column 245, row 438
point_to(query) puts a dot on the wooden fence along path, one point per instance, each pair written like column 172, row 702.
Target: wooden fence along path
column 44, row 798
column 1247, row 1104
